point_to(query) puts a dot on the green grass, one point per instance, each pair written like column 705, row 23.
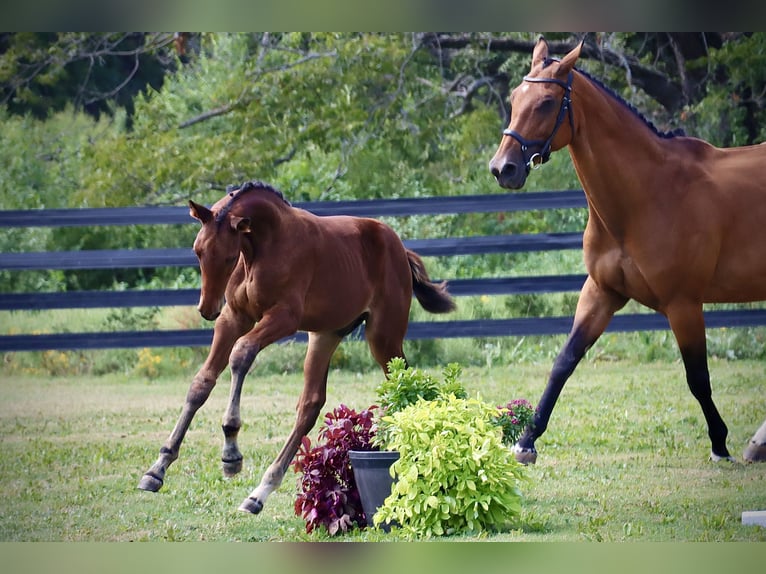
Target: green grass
column 625, row 457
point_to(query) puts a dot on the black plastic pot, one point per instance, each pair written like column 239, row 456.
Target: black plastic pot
column 373, row 478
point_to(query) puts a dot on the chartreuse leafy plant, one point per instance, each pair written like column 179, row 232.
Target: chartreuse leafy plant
column 454, row 475
column 405, row 386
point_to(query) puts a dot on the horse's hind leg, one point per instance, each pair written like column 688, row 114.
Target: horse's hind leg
column 756, row 449
column 385, row 328
column 688, row 325
column 321, row 346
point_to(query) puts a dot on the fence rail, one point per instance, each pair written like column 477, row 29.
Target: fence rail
column 183, row 257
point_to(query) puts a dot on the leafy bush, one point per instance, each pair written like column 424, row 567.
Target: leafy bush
column 454, row 473
column 405, row 386
column 328, row 495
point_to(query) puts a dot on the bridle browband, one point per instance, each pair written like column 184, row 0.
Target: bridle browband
column 536, row 159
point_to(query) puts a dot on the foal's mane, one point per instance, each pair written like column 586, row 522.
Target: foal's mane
column 631, row 108
column 236, row 191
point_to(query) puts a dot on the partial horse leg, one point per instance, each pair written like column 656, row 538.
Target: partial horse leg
column 321, row 347
column 224, row 335
column 231, row 423
column 385, row 328
column 595, row 309
column 756, row 449
column 688, row 325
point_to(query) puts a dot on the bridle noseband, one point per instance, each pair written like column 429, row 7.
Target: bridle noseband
column 536, row 159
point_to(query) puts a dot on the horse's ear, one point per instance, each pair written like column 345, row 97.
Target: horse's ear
column 241, row 224
column 540, row 53
column 200, row 212
column 568, row 61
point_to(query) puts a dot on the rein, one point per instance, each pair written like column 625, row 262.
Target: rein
column 536, row 159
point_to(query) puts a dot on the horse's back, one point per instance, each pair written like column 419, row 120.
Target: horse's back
column 727, row 197
column 356, row 262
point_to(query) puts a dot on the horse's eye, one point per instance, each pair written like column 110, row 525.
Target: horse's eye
column 232, row 259
column 547, row 105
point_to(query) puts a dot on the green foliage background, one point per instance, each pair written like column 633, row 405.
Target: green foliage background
column 321, row 116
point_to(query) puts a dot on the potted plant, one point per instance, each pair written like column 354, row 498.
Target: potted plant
column 328, row 496
column 346, row 476
column 404, row 386
column 433, row 461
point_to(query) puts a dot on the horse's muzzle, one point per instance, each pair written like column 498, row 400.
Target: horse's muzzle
column 208, row 313
column 209, row 316
column 509, row 175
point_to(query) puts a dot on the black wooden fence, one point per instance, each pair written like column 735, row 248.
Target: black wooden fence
column 184, row 257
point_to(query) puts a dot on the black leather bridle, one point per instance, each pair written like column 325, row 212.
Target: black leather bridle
column 536, row 159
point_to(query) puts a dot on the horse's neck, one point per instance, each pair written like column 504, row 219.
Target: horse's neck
column 615, row 154
column 268, row 216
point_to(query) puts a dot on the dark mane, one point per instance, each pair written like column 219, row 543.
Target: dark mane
column 235, row 191
column 632, row 109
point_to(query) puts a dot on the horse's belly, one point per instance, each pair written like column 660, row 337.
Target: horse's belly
column 739, row 276
column 731, row 289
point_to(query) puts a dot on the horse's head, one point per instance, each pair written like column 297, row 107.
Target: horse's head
column 217, row 246
column 541, row 117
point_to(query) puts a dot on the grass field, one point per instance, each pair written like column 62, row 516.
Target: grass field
column 624, row 459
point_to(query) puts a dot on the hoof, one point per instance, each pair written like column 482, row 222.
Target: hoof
column 150, row 483
column 525, row 455
column 251, row 505
column 755, row 452
column 232, row 467
column 718, row 458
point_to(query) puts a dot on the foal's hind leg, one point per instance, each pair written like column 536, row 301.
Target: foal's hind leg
column 321, row 346
column 385, row 338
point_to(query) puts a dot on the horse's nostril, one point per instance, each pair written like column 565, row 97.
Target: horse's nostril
column 508, row 170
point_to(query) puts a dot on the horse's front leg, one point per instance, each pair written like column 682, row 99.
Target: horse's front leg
column 224, row 335
column 321, row 346
column 232, row 422
column 688, row 325
column 595, row 309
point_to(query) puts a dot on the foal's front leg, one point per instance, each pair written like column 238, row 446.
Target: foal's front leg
column 224, row 335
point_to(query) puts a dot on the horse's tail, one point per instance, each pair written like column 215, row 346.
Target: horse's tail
column 433, row 297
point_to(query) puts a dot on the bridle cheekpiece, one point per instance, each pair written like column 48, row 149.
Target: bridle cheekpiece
column 536, row 159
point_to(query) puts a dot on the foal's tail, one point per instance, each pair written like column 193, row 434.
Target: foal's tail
column 433, row 297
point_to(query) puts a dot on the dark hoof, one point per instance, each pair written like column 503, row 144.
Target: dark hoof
column 232, row 467
column 251, row 505
column 150, row 483
column 525, row 455
column 755, row 452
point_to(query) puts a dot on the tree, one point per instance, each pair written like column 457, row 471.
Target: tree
column 42, row 73
column 324, row 115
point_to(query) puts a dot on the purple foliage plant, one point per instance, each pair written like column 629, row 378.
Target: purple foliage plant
column 327, row 490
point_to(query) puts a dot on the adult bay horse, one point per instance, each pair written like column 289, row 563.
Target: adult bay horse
column 673, row 222
column 270, row 270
